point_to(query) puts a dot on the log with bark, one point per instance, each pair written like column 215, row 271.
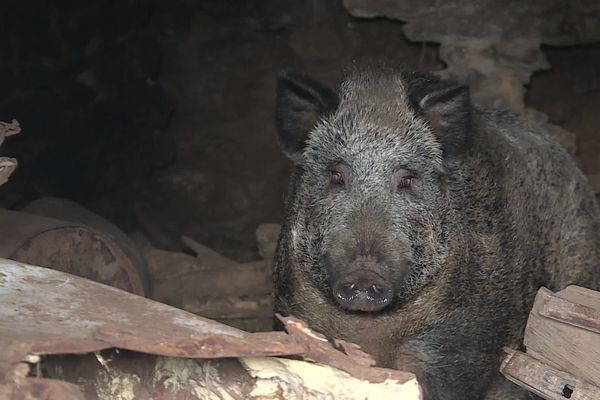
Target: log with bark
column 92, row 341
column 68, row 246
column 67, row 210
column 212, row 285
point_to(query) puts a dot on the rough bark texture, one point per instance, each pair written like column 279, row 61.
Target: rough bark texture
column 42, row 324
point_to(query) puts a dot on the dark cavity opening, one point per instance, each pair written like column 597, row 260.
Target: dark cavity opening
column 567, row 391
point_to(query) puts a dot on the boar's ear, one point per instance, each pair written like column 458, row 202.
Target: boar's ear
column 448, row 111
column 300, row 102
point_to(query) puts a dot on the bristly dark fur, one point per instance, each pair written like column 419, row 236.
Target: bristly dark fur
column 495, row 210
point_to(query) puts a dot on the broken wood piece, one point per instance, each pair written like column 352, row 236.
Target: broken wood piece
column 563, row 331
column 250, row 313
column 544, row 380
column 7, row 167
column 278, row 378
column 230, row 307
column 248, row 279
column 252, row 378
column 9, row 129
column 349, row 358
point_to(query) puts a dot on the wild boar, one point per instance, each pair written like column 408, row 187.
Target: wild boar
column 421, row 226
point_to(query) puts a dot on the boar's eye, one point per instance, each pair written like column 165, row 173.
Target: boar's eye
column 337, row 178
column 337, row 175
column 403, row 180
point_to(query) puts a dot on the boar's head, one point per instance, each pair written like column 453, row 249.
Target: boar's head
column 376, row 173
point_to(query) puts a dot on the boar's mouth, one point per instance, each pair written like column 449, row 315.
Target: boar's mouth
column 363, row 290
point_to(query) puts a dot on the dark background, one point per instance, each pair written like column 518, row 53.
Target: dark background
column 158, row 114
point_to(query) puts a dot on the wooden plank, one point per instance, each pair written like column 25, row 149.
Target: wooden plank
column 574, row 306
column 564, row 330
column 580, row 295
column 545, row 381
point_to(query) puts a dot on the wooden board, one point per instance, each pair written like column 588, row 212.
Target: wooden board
column 544, row 380
column 563, row 331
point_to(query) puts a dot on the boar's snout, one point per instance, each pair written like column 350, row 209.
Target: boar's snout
column 363, row 291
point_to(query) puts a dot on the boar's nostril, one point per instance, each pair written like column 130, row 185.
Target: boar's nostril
column 346, row 292
column 363, row 294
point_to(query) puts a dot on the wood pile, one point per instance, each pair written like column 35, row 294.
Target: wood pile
column 85, row 340
column 562, row 338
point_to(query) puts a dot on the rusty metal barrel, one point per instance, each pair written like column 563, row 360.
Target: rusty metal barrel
column 71, row 247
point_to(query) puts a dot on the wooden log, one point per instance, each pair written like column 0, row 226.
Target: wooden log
column 213, row 286
column 563, row 331
column 75, row 328
column 122, row 375
column 66, row 246
column 67, row 210
column 544, row 380
column 248, row 279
